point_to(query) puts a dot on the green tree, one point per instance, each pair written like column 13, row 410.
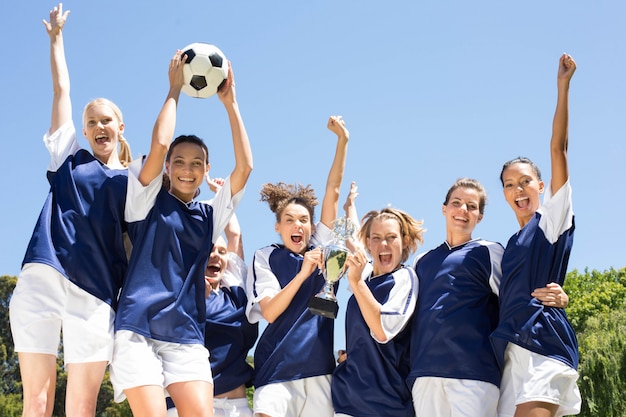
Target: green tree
column 9, row 366
column 597, row 311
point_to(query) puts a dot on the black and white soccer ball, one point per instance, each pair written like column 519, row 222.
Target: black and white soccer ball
column 205, row 70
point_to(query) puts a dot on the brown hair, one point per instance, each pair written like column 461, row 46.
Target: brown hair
column 125, row 154
column 280, row 195
column 411, row 230
column 471, row 184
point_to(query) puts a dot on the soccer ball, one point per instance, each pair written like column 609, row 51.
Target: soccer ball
column 205, row 71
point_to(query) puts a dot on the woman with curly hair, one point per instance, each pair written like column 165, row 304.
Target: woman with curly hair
column 294, row 357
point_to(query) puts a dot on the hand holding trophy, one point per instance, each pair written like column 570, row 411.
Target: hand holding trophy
column 335, row 255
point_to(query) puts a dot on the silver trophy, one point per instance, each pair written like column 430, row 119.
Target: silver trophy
column 335, row 254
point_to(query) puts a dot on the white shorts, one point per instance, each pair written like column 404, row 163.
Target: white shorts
column 44, row 303
column 138, row 361
column 223, row 407
column 528, row 376
column 306, row 397
column 434, row 396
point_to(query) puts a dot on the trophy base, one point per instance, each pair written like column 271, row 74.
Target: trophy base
column 324, row 307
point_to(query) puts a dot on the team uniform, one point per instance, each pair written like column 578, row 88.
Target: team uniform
column 293, row 359
column 159, row 328
column 454, row 371
column 75, row 261
column 537, row 344
column 229, row 337
column 371, row 382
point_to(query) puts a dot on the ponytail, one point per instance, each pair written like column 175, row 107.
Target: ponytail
column 125, row 155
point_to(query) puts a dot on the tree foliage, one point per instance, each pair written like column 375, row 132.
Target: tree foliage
column 597, row 311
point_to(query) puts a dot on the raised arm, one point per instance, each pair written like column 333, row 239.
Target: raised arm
column 241, row 144
column 559, row 141
column 350, row 210
column 232, row 230
column 330, row 203
column 61, row 104
column 165, row 124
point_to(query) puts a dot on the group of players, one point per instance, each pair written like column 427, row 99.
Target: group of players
column 470, row 329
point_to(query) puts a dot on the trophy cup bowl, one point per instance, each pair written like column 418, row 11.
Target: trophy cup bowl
column 324, row 303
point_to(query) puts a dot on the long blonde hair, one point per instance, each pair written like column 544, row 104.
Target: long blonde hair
column 124, row 154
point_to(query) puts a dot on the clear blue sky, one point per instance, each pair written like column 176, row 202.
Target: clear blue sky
column 430, row 91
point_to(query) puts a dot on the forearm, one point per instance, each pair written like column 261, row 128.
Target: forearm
column 162, row 134
column 559, row 140
column 330, row 203
column 370, row 309
column 61, row 105
column 273, row 307
column 242, row 149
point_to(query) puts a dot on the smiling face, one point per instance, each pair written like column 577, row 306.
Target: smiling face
column 295, row 227
column 385, row 245
column 186, row 168
column 522, row 190
column 462, row 213
column 217, row 263
column 102, row 128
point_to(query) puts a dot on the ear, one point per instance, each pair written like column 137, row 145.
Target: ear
column 480, row 217
column 443, row 209
column 541, row 187
column 208, row 167
column 276, row 227
column 121, row 128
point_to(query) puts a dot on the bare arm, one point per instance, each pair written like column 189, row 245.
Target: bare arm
column 370, row 308
column 61, row 104
column 349, row 208
column 243, row 152
column 165, row 124
column 273, row 307
column 559, row 141
column 330, row 204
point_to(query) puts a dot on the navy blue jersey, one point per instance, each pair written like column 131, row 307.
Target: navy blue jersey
column 80, row 229
column 229, row 336
column 298, row 344
column 535, row 256
column 163, row 296
column 371, row 382
column 457, row 309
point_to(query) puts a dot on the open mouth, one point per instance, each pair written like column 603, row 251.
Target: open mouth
column 522, row 202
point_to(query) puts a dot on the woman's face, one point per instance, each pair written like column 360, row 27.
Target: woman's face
column 102, row 129
column 522, row 190
column 186, row 169
column 462, row 212
column 385, row 245
column 295, row 227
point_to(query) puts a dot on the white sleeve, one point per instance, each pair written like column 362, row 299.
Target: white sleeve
column 323, row 235
column 495, row 257
column 236, row 272
column 557, row 214
column 224, row 206
column 400, row 305
column 140, row 199
column 262, row 282
column 61, row 144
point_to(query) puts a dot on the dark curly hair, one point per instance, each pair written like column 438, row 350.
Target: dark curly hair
column 280, row 195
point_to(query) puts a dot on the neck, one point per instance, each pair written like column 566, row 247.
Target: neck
column 456, row 239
